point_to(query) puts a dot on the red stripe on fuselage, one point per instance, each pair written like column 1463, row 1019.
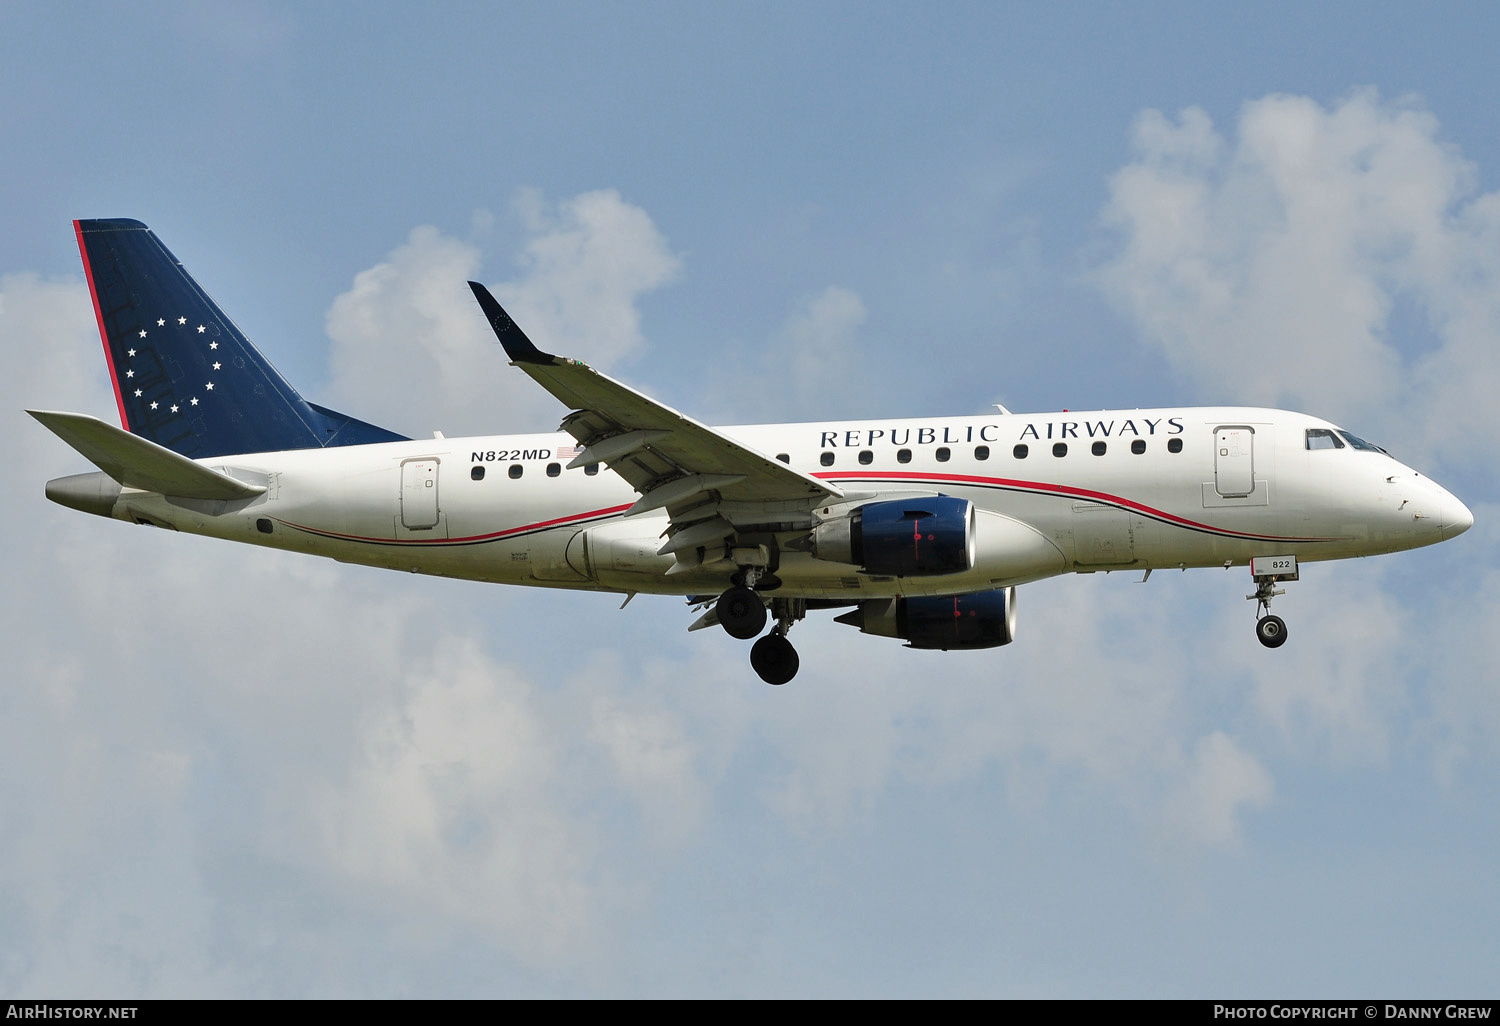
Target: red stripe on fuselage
column 1064, row 491
column 509, row 532
column 109, row 360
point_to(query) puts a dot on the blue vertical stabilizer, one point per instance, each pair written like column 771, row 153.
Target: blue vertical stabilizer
column 184, row 376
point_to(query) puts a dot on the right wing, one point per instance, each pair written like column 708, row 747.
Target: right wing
column 711, row 486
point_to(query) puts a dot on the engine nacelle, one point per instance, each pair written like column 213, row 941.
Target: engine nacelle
column 980, row 619
column 902, row 537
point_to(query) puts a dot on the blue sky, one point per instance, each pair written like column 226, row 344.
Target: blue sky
column 233, row 772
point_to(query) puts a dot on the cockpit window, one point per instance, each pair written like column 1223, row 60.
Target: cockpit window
column 1322, row 438
column 1361, row 444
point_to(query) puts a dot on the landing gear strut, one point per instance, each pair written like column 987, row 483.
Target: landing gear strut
column 1270, row 630
column 742, row 613
column 773, row 657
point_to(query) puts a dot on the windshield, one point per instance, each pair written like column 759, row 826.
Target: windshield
column 1322, row 438
column 1361, row 444
column 1329, row 438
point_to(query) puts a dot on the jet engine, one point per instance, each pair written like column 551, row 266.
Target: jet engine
column 980, row 619
column 901, row 537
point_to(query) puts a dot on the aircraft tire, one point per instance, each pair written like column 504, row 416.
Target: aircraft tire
column 1271, row 630
column 741, row 612
column 774, row 659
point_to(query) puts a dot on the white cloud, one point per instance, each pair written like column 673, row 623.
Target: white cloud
column 1203, row 804
column 410, row 349
column 1100, row 696
column 818, row 349
column 1337, row 697
column 452, row 801
column 412, row 352
column 654, row 760
column 1274, row 267
column 810, row 368
column 56, row 359
column 276, row 747
column 1460, row 715
column 588, row 261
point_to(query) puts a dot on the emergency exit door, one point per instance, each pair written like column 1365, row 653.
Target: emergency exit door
column 1234, row 461
column 419, row 494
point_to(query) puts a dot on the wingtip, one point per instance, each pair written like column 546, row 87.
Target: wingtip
column 517, row 346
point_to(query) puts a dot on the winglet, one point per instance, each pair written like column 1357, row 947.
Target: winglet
column 517, row 346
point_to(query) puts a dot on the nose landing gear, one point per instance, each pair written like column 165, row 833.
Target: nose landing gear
column 1271, row 630
column 1267, row 572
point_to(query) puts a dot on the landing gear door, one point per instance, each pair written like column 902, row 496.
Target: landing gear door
column 1234, row 461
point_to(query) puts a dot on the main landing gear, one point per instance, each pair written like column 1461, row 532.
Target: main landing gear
column 774, row 658
column 742, row 613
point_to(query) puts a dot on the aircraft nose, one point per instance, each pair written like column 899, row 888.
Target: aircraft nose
column 1455, row 516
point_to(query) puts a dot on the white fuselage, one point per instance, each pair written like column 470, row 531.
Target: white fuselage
column 1243, row 483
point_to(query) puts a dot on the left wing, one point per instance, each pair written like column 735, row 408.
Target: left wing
column 696, row 473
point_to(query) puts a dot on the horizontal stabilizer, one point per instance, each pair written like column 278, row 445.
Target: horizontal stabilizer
column 137, row 463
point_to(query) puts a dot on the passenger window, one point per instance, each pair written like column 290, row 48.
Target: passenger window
column 1175, row 445
column 477, row 473
column 1060, row 449
column 553, row 469
column 1138, row 446
column 783, row 457
column 516, row 470
column 943, row 454
column 866, row 456
column 1322, row 438
column 981, row 452
column 591, row 469
column 903, row 456
column 826, row 459
column 1100, row 448
column 1020, row 451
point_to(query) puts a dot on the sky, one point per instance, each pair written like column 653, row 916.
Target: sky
column 235, row 772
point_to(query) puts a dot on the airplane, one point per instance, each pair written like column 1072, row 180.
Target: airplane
column 917, row 529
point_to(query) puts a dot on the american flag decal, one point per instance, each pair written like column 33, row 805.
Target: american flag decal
column 568, row 452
